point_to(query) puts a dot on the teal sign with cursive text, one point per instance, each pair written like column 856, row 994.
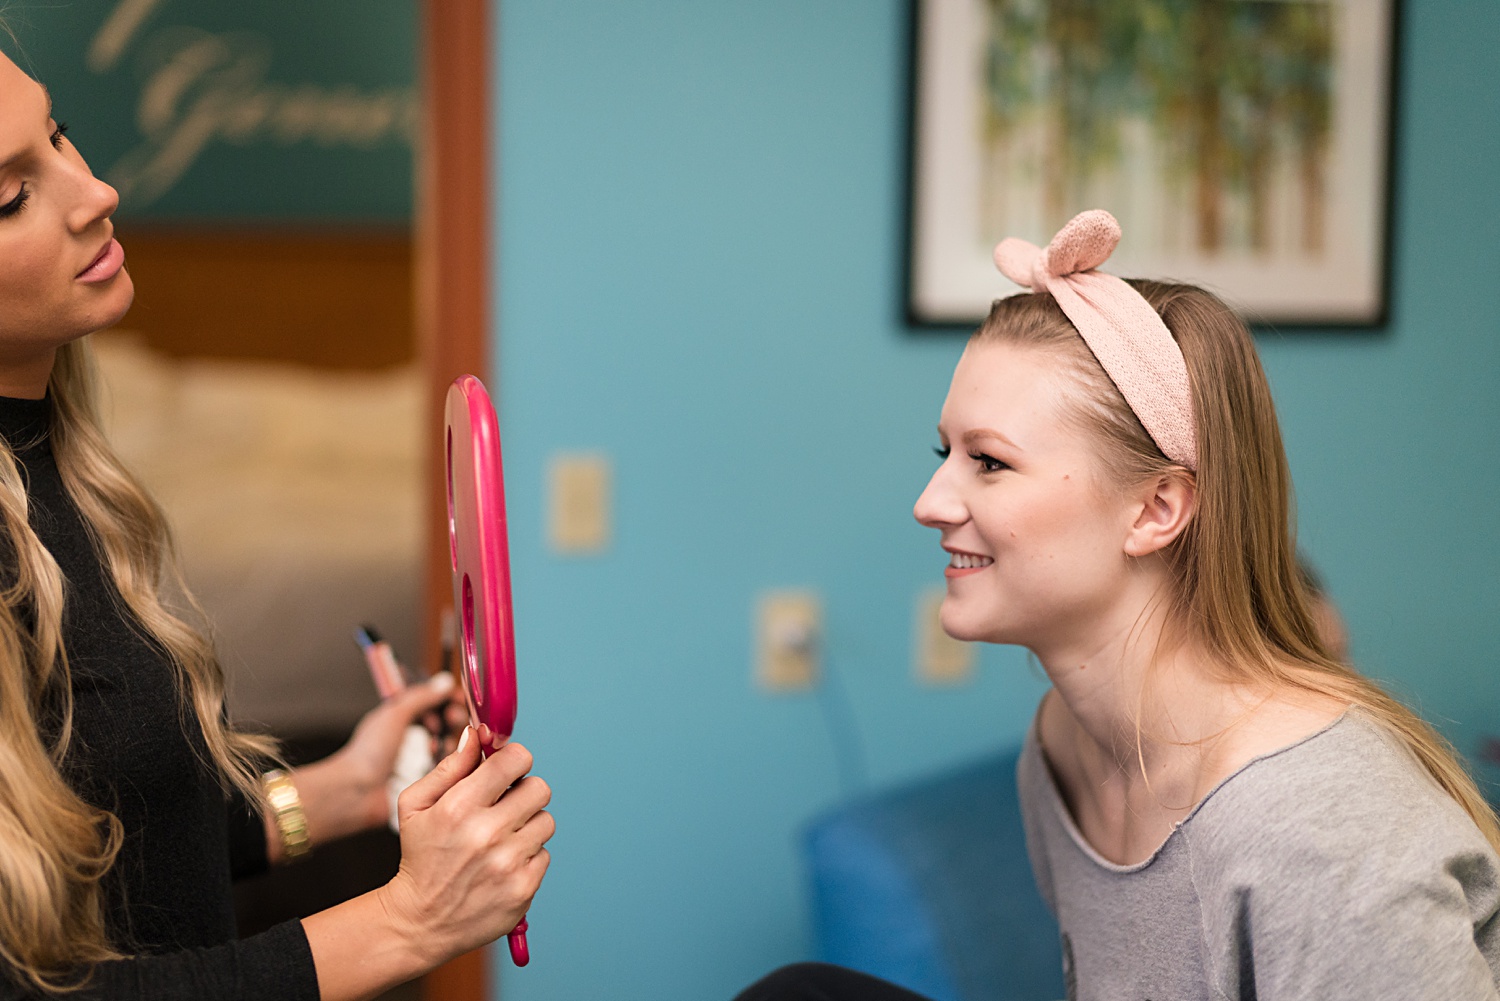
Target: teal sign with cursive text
column 258, row 112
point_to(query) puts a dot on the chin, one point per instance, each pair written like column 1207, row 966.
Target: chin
column 964, row 624
column 123, row 294
column 975, row 624
column 113, row 303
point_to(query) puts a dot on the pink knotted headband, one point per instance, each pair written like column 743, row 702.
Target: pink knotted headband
column 1128, row 337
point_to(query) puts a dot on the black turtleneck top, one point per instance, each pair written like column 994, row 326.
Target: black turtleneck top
column 136, row 753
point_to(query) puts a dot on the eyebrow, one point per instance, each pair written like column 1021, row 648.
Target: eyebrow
column 5, row 163
column 970, row 437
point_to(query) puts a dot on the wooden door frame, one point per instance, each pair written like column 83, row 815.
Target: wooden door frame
column 453, row 308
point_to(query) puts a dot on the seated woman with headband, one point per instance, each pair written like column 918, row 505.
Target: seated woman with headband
column 1216, row 805
column 126, row 800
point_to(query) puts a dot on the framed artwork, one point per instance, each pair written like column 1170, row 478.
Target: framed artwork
column 1244, row 146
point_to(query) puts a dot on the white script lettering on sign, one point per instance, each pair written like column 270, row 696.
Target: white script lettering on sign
column 201, row 87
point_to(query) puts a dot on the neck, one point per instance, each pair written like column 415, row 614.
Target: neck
column 27, row 378
column 1143, row 700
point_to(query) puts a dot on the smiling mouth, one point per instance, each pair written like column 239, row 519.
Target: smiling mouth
column 968, row 561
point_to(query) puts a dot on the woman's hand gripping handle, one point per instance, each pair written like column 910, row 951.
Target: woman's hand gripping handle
column 472, row 847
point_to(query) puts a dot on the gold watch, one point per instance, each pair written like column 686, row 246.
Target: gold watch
column 291, row 820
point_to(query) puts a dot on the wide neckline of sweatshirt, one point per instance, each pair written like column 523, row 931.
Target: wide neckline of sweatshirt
column 1059, row 806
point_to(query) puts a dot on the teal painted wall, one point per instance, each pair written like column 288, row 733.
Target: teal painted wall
column 700, row 218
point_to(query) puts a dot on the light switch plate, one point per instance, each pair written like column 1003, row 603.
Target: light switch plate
column 579, row 504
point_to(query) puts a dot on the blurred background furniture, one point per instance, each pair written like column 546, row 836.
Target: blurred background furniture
column 296, row 497
column 929, row 886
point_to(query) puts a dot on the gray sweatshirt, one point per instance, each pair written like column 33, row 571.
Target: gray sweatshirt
column 1332, row 869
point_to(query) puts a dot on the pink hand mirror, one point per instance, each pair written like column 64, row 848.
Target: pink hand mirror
column 481, row 575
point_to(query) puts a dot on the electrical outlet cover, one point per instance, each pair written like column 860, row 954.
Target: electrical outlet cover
column 789, row 628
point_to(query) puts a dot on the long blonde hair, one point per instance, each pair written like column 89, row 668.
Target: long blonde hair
column 54, row 847
column 1236, row 585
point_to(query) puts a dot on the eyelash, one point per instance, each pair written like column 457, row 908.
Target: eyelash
column 988, row 463
column 17, row 203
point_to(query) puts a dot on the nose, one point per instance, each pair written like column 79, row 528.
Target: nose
column 940, row 505
column 96, row 201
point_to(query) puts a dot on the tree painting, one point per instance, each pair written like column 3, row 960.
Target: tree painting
column 1216, row 115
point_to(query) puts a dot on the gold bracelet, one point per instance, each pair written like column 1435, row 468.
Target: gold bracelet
column 291, row 820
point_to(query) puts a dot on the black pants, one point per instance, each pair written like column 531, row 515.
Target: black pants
column 821, row 982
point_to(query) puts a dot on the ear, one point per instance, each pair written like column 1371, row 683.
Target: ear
column 1166, row 505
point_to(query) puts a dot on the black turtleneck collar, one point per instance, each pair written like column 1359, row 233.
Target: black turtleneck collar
column 24, row 423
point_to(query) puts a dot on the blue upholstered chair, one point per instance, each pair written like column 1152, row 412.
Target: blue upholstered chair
column 929, row 886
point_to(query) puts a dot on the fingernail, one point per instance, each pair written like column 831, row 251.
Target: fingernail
column 441, row 682
column 463, row 740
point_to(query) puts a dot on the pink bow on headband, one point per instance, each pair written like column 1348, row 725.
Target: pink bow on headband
column 1133, row 345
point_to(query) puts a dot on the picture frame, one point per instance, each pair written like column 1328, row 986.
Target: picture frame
column 1244, row 145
